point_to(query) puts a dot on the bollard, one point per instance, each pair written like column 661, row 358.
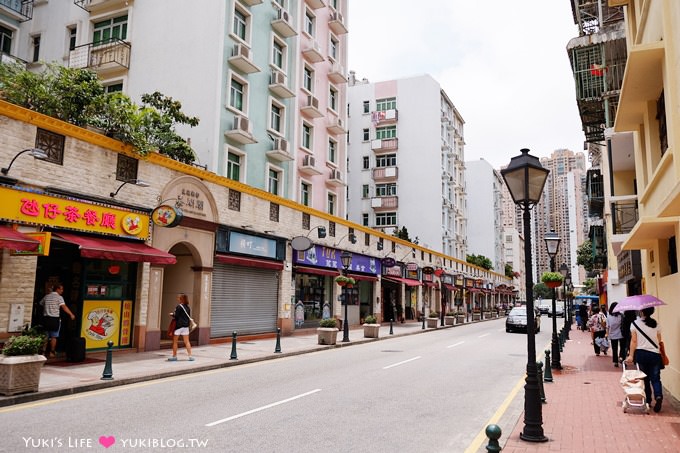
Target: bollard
column 539, row 370
column 233, row 347
column 108, row 367
column 561, row 342
column 493, row 432
column 391, row 331
column 548, row 374
column 278, row 340
column 423, row 328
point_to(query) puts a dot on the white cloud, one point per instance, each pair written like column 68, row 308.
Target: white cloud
column 503, row 64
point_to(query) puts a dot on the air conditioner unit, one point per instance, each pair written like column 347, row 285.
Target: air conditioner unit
column 312, row 101
column 281, row 144
column 337, row 16
column 241, row 50
column 283, row 15
column 308, row 161
column 242, row 123
column 336, row 174
column 316, row 47
column 278, row 78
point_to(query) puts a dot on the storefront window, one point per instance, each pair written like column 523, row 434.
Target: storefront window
column 312, row 298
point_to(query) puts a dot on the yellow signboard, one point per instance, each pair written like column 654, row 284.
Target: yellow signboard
column 100, row 323
column 43, row 249
column 40, row 209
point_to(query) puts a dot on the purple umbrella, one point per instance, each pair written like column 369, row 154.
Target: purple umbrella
column 637, row 303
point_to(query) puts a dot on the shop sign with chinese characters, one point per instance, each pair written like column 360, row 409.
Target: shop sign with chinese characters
column 53, row 211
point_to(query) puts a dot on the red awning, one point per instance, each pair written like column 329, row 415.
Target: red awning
column 249, row 262
column 473, row 290
column 430, row 284
column 112, row 249
column 406, row 281
column 450, row 287
column 370, row 278
column 316, row 271
column 15, row 240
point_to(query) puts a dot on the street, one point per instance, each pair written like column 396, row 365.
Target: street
column 417, row 393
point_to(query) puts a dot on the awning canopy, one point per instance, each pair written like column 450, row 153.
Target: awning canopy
column 449, row 286
column 249, row 262
column 315, row 271
column 430, row 284
column 112, row 249
column 406, row 281
column 15, row 240
column 370, row 278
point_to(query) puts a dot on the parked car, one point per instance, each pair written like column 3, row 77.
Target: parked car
column 559, row 309
column 517, row 320
column 544, row 306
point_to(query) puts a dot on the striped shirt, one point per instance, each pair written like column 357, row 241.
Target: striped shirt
column 51, row 303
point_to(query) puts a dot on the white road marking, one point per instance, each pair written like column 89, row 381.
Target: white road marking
column 484, row 335
column 455, row 344
column 268, row 406
column 401, row 363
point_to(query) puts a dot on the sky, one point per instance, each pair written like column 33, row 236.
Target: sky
column 503, row 64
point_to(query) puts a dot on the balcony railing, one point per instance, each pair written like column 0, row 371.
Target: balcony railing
column 389, row 202
column 6, row 58
column 384, row 144
column 22, row 8
column 385, row 173
column 102, row 55
column 625, row 216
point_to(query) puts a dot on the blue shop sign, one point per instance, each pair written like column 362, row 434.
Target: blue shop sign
column 230, row 241
column 327, row 257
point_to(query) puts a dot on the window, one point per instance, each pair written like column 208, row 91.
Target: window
column 386, row 104
column 110, row 29
column 332, row 151
column 308, row 79
column 276, row 118
column 364, row 191
column 385, row 190
column 661, row 118
column 114, row 87
column 305, row 191
column 333, row 99
column 237, row 95
column 366, row 135
column 240, row 27
column 233, row 166
column 36, row 48
column 333, row 48
column 309, row 23
column 386, row 160
column 72, row 35
column 367, row 107
column 334, row 4
column 273, row 181
column 307, row 132
column 6, row 40
column 366, row 162
column 364, row 219
column 331, row 203
column 386, row 132
column 386, row 219
column 278, row 53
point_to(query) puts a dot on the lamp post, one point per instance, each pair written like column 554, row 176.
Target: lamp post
column 564, row 270
column 525, row 178
column 569, row 289
column 346, row 258
column 552, row 243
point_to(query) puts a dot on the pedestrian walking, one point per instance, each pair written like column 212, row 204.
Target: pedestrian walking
column 645, row 337
column 614, row 322
column 598, row 326
column 52, row 305
column 181, row 314
column 583, row 315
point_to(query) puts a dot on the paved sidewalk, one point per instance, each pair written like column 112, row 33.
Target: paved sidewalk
column 583, row 411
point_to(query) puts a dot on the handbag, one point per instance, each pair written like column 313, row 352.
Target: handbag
column 192, row 323
column 602, row 342
column 172, row 327
column 662, row 348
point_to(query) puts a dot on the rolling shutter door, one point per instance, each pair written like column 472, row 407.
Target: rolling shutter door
column 245, row 300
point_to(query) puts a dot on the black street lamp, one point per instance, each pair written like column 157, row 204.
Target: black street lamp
column 552, row 243
column 346, row 258
column 569, row 288
column 525, row 178
column 564, row 270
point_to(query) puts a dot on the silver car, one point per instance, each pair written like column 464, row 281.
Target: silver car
column 517, row 320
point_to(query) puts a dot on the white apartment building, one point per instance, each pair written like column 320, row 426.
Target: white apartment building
column 406, row 161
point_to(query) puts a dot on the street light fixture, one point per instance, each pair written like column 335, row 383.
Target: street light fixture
column 136, row 182
column 564, row 270
column 525, row 178
column 35, row 152
column 552, row 243
column 346, row 258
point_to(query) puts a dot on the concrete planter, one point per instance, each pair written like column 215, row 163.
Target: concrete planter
column 487, row 315
column 371, row 330
column 460, row 319
column 20, row 374
column 327, row 335
column 476, row 316
column 432, row 323
column 449, row 320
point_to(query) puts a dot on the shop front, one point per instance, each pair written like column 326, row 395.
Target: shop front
column 431, row 291
column 400, row 293
column 449, row 292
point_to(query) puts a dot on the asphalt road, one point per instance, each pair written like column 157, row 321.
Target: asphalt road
column 420, row 393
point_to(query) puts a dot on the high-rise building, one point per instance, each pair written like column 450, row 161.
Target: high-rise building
column 406, row 164
column 266, row 79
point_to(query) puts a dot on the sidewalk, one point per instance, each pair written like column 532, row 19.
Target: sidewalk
column 583, row 411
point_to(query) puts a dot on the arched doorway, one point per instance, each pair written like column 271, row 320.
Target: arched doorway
column 179, row 278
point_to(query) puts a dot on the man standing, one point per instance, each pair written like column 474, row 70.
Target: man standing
column 52, row 303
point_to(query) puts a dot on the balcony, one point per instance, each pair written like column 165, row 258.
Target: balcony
column 336, row 126
column 385, row 203
column 312, row 52
column 6, row 58
column 308, row 166
column 335, row 178
column 278, row 84
column 280, row 150
column 316, row 4
column 624, row 214
column 385, row 174
column 241, row 131
column 383, row 117
column 103, row 57
column 337, row 74
column 311, row 108
column 337, row 24
column 21, row 10
column 96, row 6
column 595, row 192
column 384, row 144
column 240, row 59
column 283, row 25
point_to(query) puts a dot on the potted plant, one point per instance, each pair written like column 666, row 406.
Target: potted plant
column 552, row 279
column 327, row 331
column 371, row 327
column 21, row 362
column 432, row 319
column 343, row 280
column 450, row 318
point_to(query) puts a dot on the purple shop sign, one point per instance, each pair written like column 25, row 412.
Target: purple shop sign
column 327, row 257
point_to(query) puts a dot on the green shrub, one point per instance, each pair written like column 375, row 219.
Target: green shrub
column 24, row 345
column 551, row 277
column 433, row 314
column 370, row 319
column 328, row 322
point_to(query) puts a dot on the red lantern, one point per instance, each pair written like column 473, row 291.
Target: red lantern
column 114, row 269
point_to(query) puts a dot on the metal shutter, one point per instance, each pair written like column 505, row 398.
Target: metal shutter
column 244, row 299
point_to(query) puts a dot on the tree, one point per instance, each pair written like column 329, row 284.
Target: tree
column 480, row 260
column 584, row 255
column 403, row 234
column 541, row 291
column 590, row 287
column 508, row 271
